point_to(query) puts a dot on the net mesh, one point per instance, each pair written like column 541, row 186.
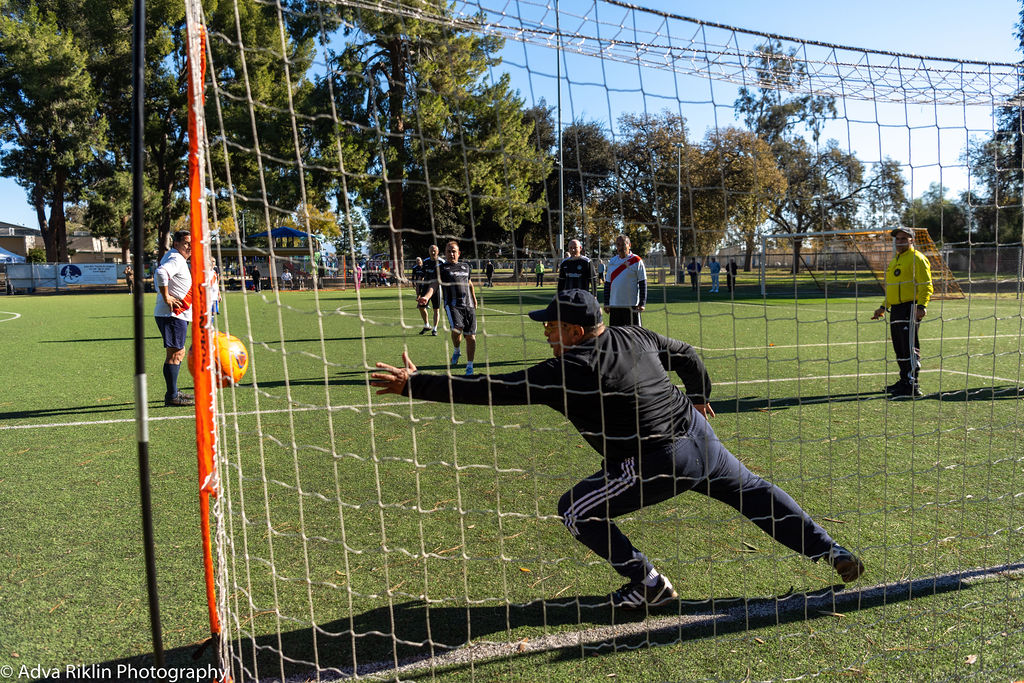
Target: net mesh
column 371, row 535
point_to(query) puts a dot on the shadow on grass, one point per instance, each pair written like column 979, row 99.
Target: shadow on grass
column 412, row 638
column 76, row 411
column 744, row 404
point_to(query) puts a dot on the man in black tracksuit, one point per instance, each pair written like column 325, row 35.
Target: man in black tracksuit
column 655, row 440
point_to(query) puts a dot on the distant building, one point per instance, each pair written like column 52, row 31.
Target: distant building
column 82, row 245
column 18, row 239
column 85, row 248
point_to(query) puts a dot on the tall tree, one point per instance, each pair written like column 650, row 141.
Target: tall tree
column 588, row 161
column 259, row 88
column 885, row 194
column 945, row 219
column 744, row 185
column 653, row 158
column 447, row 137
column 49, row 123
column 823, row 181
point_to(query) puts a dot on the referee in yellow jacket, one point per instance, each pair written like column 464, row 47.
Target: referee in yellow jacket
column 908, row 288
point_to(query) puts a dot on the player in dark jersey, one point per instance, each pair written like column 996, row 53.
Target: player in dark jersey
column 418, row 288
column 429, row 281
column 624, row 404
column 459, row 302
column 577, row 271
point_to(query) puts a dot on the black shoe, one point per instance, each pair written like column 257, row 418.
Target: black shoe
column 907, row 391
column 636, row 595
column 425, row 330
column 433, row 333
column 179, row 400
column 845, row 563
column 895, row 386
column 186, row 395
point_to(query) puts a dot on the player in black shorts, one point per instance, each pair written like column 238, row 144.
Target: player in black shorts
column 459, row 302
column 654, row 439
column 428, row 280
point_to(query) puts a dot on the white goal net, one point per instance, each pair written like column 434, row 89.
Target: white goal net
column 366, row 535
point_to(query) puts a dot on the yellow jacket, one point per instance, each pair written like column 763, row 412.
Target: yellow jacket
column 908, row 278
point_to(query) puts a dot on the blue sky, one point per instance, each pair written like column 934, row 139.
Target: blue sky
column 981, row 31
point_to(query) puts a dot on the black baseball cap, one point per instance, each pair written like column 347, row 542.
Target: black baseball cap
column 573, row 306
column 905, row 231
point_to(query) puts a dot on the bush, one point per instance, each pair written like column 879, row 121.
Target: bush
column 36, row 256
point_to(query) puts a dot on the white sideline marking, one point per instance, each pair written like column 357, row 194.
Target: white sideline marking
column 822, row 604
column 306, row 409
column 859, row 374
column 850, row 343
column 7, row 320
column 187, row 416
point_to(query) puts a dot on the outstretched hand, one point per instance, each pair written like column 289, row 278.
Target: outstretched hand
column 391, row 379
column 879, row 313
column 704, row 409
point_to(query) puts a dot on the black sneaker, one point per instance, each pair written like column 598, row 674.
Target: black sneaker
column 845, row 563
column 433, row 333
column 424, row 330
column 635, row 594
column 895, row 386
column 907, row 391
column 179, row 400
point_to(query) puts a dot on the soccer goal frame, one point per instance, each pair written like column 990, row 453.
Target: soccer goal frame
column 946, row 285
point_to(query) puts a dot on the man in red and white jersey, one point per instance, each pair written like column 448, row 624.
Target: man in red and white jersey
column 625, row 286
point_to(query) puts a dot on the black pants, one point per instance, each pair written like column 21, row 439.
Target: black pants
column 696, row 462
column 693, row 281
column 730, row 281
column 903, row 326
column 621, row 316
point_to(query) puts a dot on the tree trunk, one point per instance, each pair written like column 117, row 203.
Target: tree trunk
column 797, row 243
column 751, row 240
column 57, row 246
column 166, row 199
column 396, row 140
column 39, row 204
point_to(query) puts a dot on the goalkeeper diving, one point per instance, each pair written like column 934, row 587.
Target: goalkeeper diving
column 612, row 384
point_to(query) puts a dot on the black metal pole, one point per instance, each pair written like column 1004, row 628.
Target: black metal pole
column 138, row 304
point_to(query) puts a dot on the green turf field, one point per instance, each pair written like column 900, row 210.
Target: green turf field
column 409, row 530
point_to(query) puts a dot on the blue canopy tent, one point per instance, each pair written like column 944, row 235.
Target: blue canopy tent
column 279, row 233
column 10, row 257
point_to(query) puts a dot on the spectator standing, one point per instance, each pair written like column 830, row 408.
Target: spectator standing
column 693, row 270
column 730, row 275
column 625, row 288
column 714, row 268
column 255, row 278
column 129, row 277
column 538, row 270
column 489, row 272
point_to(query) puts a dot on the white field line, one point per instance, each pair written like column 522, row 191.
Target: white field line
column 773, row 380
column 851, row 343
column 189, row 416
column 7, row 320
column 688, row 628
column 362, row 406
